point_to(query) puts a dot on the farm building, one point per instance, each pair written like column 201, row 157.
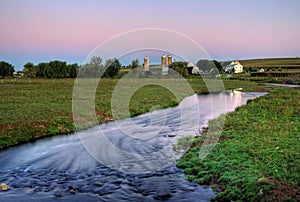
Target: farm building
column 193, row 69
column 233, row 67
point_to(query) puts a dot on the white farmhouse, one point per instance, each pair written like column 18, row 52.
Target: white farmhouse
column 234, row 67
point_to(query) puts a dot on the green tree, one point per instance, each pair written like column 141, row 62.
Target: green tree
column 59, row 69
column 180, row 67
column 29, row 70
column 205, row 65
column 56, row 69
column 40, row 70
column 93, row 69
column 49, row 72
column 96, row 61
column 112, row 67
column 6, row 69
column 72, row 70
column 218, row 65
column 135, row 63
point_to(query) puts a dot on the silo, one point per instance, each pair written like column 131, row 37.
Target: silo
column 164, row 61
column 169, row 60
column 146, row 63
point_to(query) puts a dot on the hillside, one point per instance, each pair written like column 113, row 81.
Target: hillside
column 287, row 63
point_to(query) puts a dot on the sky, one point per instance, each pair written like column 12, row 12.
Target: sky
column 44, row 30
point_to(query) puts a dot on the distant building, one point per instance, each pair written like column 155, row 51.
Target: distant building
column 165, row 70
column 146, row 64
column 169, row 60
column 17, row 74
column 190, row 64
column 164, row 61
column 192, row 68
column 233, row 67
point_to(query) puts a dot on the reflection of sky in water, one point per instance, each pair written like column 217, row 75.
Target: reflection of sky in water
column 212, row 105
column 152, row 153
column 144, row 145
column 236, row 98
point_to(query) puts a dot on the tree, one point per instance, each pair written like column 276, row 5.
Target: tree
column 112, row 67
column 29, row 70
column 58, row 69
column 218, row 65
column 6, row 69
column 72, row 70
column 180, row 67
column 135, row 63
column 93, row 69
column 40, row 69
column 205, row 65
column 96, row 61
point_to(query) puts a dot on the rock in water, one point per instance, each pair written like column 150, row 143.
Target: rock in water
column 98, row 184
column 162, row 196
column 72, row 191
column 4, row 187
column 58, row 193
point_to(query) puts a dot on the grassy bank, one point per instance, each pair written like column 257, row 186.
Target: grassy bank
column 258, row 155
column 267, row 79
column 31, row 109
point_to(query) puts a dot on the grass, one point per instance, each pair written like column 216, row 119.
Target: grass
column 276, row 70
column 258, row 155
column 272, row 62
column 32, row 109
column 293, row 79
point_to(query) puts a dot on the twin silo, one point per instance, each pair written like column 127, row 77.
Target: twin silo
column 166, row 60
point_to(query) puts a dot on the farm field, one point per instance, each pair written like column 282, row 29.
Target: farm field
column 288, row 63
column 32, row 109
column 271, row 70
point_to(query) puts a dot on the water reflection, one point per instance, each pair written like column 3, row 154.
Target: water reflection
column 52, row 166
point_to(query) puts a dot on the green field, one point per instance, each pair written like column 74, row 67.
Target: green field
column 258, row 151
column 286, row 77
column 258, row 155
column 31, row 109
column 289, row 63
column 275, row 70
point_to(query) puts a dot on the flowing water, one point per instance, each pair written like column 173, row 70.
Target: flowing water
column 124, row 167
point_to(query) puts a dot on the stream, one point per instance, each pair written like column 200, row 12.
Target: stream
column 109, row 162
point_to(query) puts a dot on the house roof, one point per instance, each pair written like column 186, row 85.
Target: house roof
column 226, row 63
column 229, row 63
column 190, row 64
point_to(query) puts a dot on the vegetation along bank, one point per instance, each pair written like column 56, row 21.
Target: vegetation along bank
column 257, row 157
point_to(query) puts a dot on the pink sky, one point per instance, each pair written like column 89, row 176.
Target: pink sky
column 43, row 30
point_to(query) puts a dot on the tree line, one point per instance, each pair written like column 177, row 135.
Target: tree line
column 95, row 69
column 60, row 69
column 6, row 69
column 53, row 69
